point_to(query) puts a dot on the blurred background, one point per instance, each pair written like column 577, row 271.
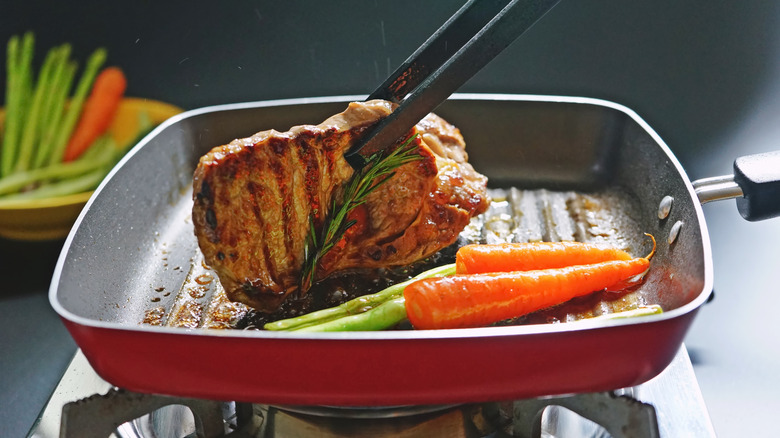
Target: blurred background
column 704, row 75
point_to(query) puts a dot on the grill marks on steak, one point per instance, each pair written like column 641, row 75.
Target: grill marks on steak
column 253, row 199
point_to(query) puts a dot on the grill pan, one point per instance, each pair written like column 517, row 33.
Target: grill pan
column 134, row 239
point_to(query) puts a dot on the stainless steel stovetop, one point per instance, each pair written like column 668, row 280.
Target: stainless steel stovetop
column 675, row 396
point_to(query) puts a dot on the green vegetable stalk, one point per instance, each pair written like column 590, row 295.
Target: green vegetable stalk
column 8, row 152
column 38, row 122
column 18, row 67
column 359, row 305
column 73, row 112
column 653, row 309
column 77, row 176
column 54, row 106
column 387, row 308
column 103, row 156
column 33, row 121
column 69, row 186
column 393, row 312
column 382, row 317
column 41, row 113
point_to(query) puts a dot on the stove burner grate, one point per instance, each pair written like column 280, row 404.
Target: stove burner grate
column 129, row 414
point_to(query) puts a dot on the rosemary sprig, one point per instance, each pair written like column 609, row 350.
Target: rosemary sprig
column 379, row 168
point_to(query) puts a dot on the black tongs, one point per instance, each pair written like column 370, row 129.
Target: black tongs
column 470, row 39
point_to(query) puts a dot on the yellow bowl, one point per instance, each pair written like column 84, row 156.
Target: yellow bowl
column 52, row 218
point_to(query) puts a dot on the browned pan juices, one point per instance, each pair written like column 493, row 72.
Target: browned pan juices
column 515, row 215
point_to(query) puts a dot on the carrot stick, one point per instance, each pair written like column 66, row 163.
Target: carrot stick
column 99, row 111
column 504, row 257
column 480, row 299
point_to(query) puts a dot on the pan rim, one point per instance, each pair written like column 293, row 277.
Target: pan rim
column 398, row 335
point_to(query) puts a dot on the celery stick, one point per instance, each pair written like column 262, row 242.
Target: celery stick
column 18, row 87
column 61, row 94
column 32, row 123
column 653, row 309
column 24, row 82
column 382, row 317
column 19, row 180
column 8, row 152
column 25, row 63
column 393, row 312
column 69, row 186
column 357, row 305
column 19, row 104
column 94, row 63
column 52, row 107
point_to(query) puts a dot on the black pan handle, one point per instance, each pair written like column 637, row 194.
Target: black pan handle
column 755, row 184
column 759, row 178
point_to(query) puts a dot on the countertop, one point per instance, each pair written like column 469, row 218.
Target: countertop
column 707, row 80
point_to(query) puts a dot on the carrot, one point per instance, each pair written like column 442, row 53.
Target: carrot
column 480, row 299
column 99, row 111
column 504, row 257
column 476, row 300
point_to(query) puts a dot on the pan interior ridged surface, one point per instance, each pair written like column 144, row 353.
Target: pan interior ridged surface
column 582, row 170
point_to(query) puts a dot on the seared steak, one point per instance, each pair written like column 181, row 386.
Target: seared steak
column 254, row 198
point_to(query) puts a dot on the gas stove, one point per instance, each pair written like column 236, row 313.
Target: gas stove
column 670, row 405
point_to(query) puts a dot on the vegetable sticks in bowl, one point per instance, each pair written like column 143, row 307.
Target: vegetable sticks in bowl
column 46, row 126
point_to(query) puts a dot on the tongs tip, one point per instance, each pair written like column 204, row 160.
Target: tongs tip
column 355, row 160
column 462, row 46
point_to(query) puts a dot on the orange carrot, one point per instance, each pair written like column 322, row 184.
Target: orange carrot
column 475, row 300
column 504, row 257
column 480, row 299
column 99, row 111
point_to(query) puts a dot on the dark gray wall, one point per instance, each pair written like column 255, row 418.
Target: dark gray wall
column 690, row 68
column 704, row 74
